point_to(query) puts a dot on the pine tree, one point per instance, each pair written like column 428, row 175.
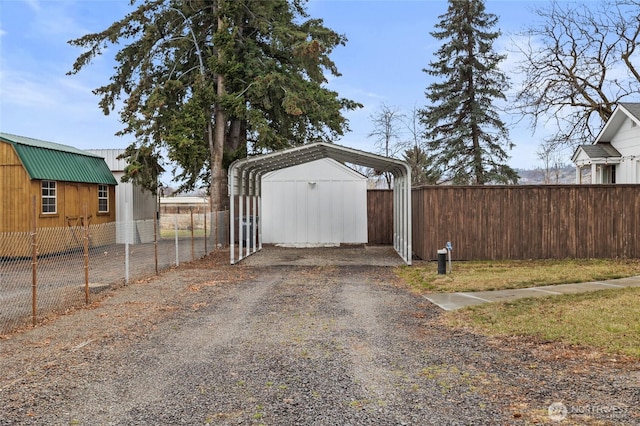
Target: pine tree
column 207, row 80
column 421, row 172
column 465, row 135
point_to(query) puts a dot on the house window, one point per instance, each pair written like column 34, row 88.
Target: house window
column 103, row 199
column 612, row 176
column 49, row 197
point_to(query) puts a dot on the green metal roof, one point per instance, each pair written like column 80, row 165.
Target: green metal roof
column 51, row 161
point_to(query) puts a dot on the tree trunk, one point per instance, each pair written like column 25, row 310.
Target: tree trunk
column 216, row 145
column 217, row 187
column 236, row 135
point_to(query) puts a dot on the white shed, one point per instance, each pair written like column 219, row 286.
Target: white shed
column 320, row 203
column 132, row 203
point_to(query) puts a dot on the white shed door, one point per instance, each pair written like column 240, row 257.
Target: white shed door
column 318, row 203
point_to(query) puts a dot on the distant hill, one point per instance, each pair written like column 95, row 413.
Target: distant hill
column 564, row 175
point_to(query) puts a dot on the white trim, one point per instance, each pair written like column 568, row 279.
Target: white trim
column 615, row 120
column 106, row 190
column 48, row 196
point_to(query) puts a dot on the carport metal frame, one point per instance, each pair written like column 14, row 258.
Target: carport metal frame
column 245, row 182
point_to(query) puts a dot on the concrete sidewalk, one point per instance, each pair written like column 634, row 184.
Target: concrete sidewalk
column 452, row 301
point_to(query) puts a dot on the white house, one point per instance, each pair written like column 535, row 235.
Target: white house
column 319, row 203
column 614, row 157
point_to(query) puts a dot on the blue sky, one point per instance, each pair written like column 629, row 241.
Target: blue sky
column 389, row 45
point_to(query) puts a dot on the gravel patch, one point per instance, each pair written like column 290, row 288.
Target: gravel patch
column 318, row 344
column 344, row 255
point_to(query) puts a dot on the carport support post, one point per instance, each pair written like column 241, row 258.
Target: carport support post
column 232, row 231
column 249, row 225
column 126, row 242
column 260, row 227
column 396, row 215
column 407, row 218
column 254, row 222
column 240, row 227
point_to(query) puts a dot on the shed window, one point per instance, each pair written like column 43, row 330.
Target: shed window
column 49, row 197
column 103, row 199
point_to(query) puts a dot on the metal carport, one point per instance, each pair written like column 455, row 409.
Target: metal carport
column 245, row 182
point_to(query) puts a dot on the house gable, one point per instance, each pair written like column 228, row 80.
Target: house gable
column 626, row 115
column 614, row 157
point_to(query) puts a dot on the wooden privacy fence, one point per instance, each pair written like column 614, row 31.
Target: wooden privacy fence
column 380, row 216
column 527, row 222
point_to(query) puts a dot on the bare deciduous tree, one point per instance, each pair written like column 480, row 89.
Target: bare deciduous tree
column 579, row 62
column 551, row 157
column 387, row 122
column 415, row 153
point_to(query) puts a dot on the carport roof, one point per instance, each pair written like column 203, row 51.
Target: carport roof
column 261, row 164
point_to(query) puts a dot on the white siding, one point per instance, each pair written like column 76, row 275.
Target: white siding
column 627, row 142
column 317, row 203
column 627, row 139
column 132, row 203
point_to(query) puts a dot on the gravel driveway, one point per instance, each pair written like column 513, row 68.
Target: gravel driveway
column 324, row 344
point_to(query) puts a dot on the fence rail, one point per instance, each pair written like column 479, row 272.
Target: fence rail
column 78, row 262
column 527, row 222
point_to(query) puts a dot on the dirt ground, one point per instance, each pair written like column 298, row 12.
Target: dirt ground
column 296, row 337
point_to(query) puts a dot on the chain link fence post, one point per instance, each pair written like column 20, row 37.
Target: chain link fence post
column 175, row 232
column 85, row 248
column 193, row 241
column 34, row 264
column 155, row 238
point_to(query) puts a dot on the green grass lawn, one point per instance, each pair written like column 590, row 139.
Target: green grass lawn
column 501, row 274
column 608, row 320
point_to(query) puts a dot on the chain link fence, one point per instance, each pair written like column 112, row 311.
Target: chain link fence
column 51, row 270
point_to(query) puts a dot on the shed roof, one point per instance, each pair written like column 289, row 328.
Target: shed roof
column 45, row 160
